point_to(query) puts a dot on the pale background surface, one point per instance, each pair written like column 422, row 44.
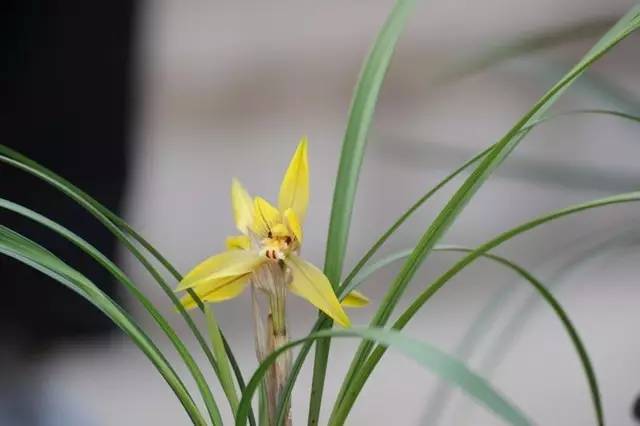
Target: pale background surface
column 227, row 90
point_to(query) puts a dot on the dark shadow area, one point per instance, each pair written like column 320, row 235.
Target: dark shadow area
column 67, row 105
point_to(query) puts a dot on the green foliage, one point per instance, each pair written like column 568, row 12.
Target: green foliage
column 24, row 250
column 353, row 146
column 375, row 339
column 461, row 197
column 425, row 354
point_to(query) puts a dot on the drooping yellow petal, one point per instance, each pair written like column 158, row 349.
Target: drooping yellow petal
column 265, row 217
column 226, row 264
column 310, row 283
column 217, row 290
column 242, row 206
column 294, row 191
column 238, row 242
column 355, row 299
column 293, row 223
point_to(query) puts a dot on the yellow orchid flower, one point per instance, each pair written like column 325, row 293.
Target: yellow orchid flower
column 266, row 254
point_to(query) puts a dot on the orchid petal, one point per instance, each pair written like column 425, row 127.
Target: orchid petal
column 311, row 284
column 265, row 217
column 242, row 206
column 355, row 299
column 293, row 223
column 226, row 264
column 238, row 242
column 294, row 191
column 217, row 290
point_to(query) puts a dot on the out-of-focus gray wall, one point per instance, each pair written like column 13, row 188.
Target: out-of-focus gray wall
column 227, row 90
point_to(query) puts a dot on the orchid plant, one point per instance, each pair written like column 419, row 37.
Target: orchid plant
column 266, row 257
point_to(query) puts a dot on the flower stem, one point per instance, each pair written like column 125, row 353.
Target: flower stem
column 271, row 334
column 278, row 337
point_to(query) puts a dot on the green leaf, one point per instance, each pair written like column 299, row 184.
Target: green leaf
column 123, row 232
column 409, row 212
column 359, row 272
column 542, row 291
column 353, row 145
column 121, row 277
column 483, row 58
column 24, row 250
column 629, row 23
column 425, row 354
column 370, row 363
column 624, row 240
column 226, row 380
column 355, row 140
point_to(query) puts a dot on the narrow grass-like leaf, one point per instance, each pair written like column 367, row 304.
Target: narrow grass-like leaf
column 542, row 291
column 425, row 354
column 127, row 229
column 121, row 230
column 263, row 414
column 624, row 242
column 226, row 380
column 566, row 322
column 355, row 139
column 360, row 271
column 121, row 277
column 629, row 23
column 24, row 250
column 363, row 105
column 483, row 59
column 614, row 113
column 370, row 363
column 485, row 321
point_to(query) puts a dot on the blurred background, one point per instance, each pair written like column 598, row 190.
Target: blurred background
column 154, row 106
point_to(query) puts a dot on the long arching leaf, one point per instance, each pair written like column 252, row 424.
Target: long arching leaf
column 625, row 241
column 121, row 277
column 359, row 270
column 542, row 291
column 24, row 250
column 363, row 106
column 122, row 231
column 425, row 354
column 423, row 297
column 628, row 24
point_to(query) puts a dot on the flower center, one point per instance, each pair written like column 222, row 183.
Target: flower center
column 277, row 245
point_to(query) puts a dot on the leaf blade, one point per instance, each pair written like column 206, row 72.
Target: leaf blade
column 22, row 249
column 426, row 295
column 353, row 146
column 133, row 289
column 425, row 354
column 627, row 24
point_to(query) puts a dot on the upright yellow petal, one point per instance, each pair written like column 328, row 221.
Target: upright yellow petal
column 238, row 242
column 294, row 191
column 242, row 206
column 265, row 217
column 226, row 264
column 310, row 283
column 293, row 223
column 355, row 299
column 217, row 290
